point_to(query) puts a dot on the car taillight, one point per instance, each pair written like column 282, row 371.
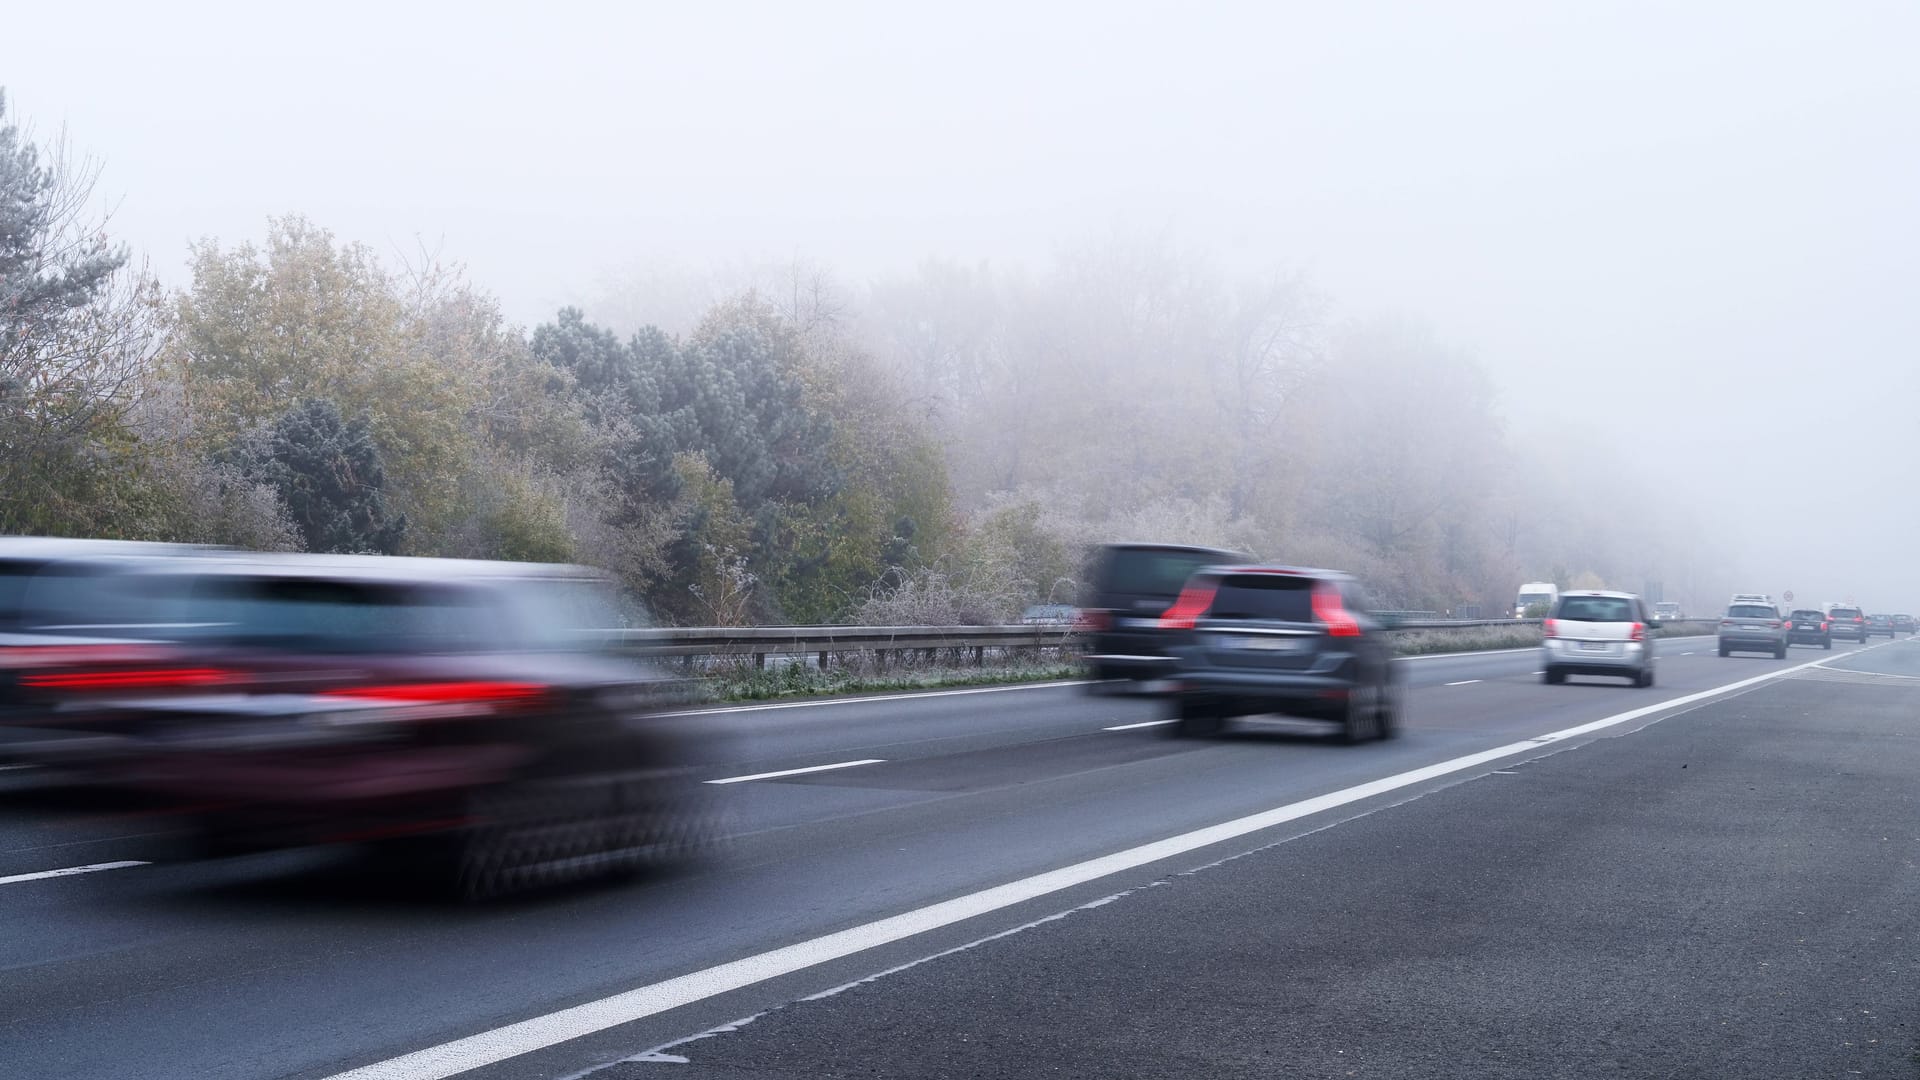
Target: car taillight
column 473, row 691
column 1773, row 624
column 46, row 656
column 138, row 679
column 1726, row 622
column 1638, row 633
column 1331, row 610
column 1090, row 621
column 1194, row 601
column 1550, row 628
column 1826, row 626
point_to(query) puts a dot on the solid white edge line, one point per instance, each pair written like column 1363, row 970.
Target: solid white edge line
column 90, row 868
column 795, row 772
column 512, row 1040
column 1463, row 682
column 1141, row 724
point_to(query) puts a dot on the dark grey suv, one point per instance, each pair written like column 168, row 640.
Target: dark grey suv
column 1251, row 640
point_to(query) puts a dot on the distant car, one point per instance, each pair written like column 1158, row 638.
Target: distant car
column 1753, row 627
column 1593, row 632
column 1251, row 640
column 1903, row 624
column 1667, row 611
column 1809, row 627
column 1849, row 623
column 1881, row 625
column 1131, row 586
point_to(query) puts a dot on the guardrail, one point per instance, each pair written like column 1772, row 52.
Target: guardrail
column 885, row 642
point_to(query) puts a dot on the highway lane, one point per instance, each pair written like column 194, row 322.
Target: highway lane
column 1733, row 892
column 274, row 967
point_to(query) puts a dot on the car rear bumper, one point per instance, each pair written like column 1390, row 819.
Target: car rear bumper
column 1246, row 694
column 1630, row 656
column 1808, row 637
column 1752, row 642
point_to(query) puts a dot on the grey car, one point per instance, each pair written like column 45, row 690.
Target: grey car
column 1595, row 632
column 1752, row 627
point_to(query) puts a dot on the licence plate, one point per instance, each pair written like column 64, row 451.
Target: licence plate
column 1753, row 628
column 1269, row 644
column 1594, row 646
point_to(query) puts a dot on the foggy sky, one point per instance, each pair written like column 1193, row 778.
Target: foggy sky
column 1678, row 236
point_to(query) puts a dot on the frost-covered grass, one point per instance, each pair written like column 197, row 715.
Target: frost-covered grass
column 1465, row 639
column 749, row 684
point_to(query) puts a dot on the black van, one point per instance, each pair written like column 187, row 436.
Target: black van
column 1130, row 587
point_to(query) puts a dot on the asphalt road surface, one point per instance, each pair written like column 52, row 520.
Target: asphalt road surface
column 1533, row 881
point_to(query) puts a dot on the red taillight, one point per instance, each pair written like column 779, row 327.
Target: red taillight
column 1773, row 624
column 1826, row 626
column 445, row 692
column 1638, row 633
column 1550, row 628
column 1329, row 609
column 1193, row 603
column 1726, row 622
column 41, row 656
column 1858, row 618
column 1090, row 621
column 126, row 680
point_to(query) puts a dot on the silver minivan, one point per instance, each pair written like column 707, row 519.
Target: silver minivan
column 1593, row 632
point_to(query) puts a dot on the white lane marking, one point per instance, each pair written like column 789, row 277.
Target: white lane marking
column 1539, row 673
column 90, row 868
column 1463, row 682
column 796, row 772
column 1141, row 724
column 771, row 705
column 4, row 768
column 526, row 1036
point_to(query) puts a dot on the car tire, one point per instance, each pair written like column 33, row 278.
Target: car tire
column 1780, row 652
column 1724, row 651
column 1388, row 714
column 1827, row 644
column 1553, row 676
column 1645, row 679
column 1196, row 722
column 1357, row 722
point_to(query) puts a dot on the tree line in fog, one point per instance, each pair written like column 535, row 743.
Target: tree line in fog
column 943, row 446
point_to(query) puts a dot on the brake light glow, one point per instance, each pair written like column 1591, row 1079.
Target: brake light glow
column 126, row 680
column 446, row 692
column 1329, row 609
column 1773, row 624
column 1826, row 626
column 1194, row 601
column 1638, row 633
column 1550, row 627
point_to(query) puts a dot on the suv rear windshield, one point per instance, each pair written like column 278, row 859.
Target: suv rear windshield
column 1752, row 611
column 1278, row 597
column 1597, row 609
column 1844, row 613
column 1805, row 614
column 1152, row 571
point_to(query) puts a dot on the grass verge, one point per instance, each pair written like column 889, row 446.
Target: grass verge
column 749, row 684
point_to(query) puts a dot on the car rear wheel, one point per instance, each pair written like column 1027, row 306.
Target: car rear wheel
column 1724, row 651
column 1553, row 676
column 1388, row 716
column 1195, row 721
column 1358, row 720
column 1645, row 679
column 1827, row 644
column 1779, row 652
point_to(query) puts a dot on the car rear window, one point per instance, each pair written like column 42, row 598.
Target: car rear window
column 1275, row 597
column 1597, row 609
column 1752, row 611
column 1152, row 571
column 1803, row 614
column 1845, row 613
column 333, row 616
